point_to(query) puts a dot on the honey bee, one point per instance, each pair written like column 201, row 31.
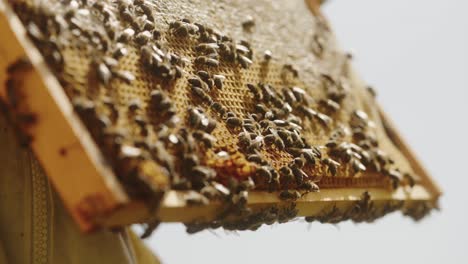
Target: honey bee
column 182, row 31
column 148, row 25
column 289, row 195
column 126, row 76
column 299, row 161
column 264, row 172
column 150, row 227
column 202, row 94
column 147, row 10
column 207, row 139
column 134, row 105
column 287, row 213
column 119, row 52
column 193, row 228
column 217, row 107
column 240, row 199
column 290, row 68
column 299, row 175
column 267, row 55
column 244, row 139
column 286, row 174
column 104, row 74
column 195, row 116
column 204, row 60
column 330, row 105
column 410, row 179
column 267, row 91
column 248, row 23
column 201, row 28
column 308, row 112
column 244, row 61
column 156, row 34
column 195, row 81
column 261, row 109
column 395, row 177
column 372, row 91
column 234, row 122
column 204, row 75
column 248, row 184
column 310, row 186
column 255, row 144
column 210, row 192
column 308, row 154
column 324, row 119
column 207, row 48
column 277, row 139
column 255, row 158
column 126, row 35
column 358, row 166
column 143, row 37
column 190, row 160
column 218, row 80
column 332, row 165
column 127, row 151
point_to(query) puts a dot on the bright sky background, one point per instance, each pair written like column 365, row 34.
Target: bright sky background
column 416, row 55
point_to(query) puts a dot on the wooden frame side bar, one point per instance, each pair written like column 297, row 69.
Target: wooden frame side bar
column 416, row 164
column 63, row 146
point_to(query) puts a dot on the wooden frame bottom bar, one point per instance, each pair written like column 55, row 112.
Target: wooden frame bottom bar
column 174, row 208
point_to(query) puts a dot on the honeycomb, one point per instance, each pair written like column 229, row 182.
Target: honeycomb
column 132, row 71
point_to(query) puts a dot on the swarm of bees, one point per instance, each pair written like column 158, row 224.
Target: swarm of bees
column 157, row 141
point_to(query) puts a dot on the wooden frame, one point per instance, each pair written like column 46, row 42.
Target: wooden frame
column 88, row 186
